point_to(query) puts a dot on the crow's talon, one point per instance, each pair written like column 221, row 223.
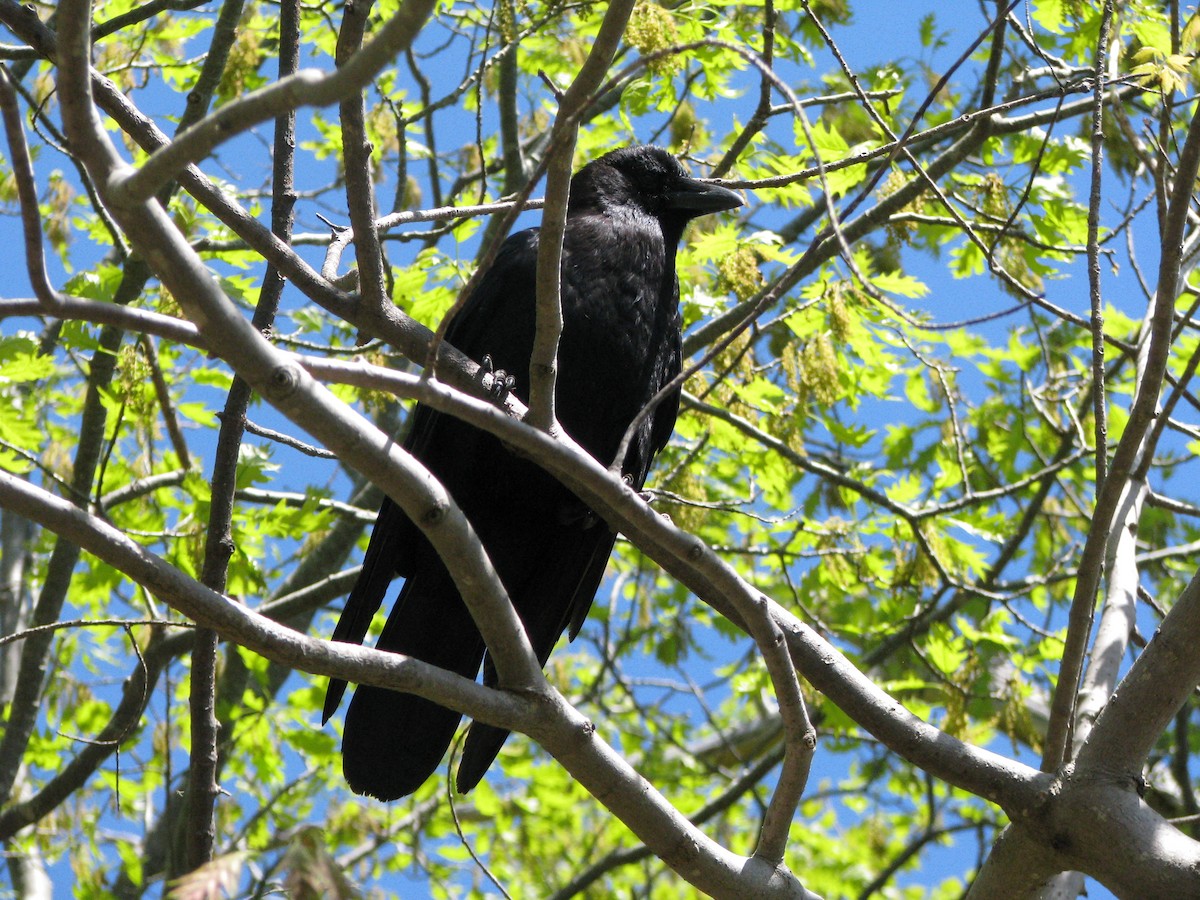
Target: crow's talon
column 646, row 496
column 497, row 383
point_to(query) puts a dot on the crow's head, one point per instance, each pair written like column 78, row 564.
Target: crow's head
column 651, row 180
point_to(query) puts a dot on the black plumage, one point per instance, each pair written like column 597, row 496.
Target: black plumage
column 620, row 344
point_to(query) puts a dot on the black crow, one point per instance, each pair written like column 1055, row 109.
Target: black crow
column 620, row 344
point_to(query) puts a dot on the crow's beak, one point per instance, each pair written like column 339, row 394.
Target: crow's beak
column 699, row 198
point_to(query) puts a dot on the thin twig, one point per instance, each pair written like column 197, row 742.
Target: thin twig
column 1095, row 296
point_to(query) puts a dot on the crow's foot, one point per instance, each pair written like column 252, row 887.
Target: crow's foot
column 497, row 383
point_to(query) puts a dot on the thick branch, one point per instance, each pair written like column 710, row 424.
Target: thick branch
column 1162, row 678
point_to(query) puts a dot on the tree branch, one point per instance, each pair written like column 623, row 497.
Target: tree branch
column 307, row 87
column 1127, row 454
column 560, row 156
column 546, row 716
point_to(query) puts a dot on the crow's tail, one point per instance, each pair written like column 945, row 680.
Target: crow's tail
column 392, row 741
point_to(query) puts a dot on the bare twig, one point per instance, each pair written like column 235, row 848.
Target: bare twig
column 202, row 789
column 1099, row 403
column 308, row 87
